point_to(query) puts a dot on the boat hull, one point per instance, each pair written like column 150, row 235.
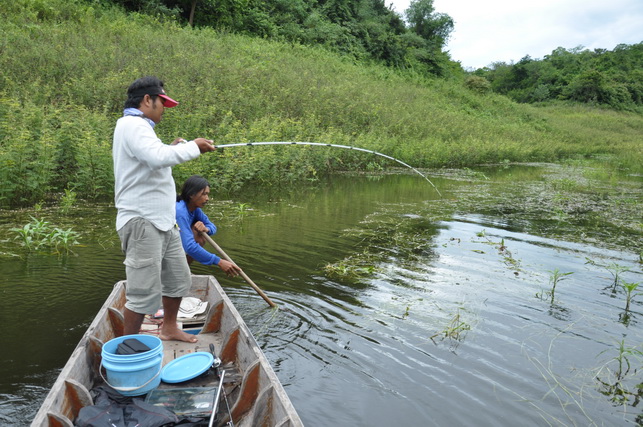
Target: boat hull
column 253, row 392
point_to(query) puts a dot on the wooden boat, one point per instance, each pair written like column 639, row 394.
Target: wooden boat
column 255, row 397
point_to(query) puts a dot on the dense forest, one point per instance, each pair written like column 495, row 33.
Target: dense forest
column 66, row 64
column 601, row 77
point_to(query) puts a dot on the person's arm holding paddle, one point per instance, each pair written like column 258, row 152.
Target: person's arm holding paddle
column 229, row 268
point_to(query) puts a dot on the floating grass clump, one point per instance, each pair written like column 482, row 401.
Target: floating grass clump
column 387, row 237
column 353, row 268
column 455, row 331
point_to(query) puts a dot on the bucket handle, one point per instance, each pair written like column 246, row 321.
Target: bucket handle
column 100, row 371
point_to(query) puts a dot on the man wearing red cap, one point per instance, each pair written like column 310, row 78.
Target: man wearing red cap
column 145, row 193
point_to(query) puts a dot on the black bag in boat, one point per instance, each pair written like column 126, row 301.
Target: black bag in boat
column 115, row 410
column 122, row 412
column 131, row 346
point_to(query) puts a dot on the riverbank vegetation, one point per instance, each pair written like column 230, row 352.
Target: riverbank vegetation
column 65, row 67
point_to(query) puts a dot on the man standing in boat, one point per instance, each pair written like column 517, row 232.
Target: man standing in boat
column 155, row 264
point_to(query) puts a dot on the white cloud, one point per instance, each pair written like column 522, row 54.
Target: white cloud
column 507, row 30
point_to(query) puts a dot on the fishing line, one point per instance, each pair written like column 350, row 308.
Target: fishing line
column 322, row 144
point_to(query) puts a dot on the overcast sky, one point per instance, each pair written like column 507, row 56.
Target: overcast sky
column 507, row 30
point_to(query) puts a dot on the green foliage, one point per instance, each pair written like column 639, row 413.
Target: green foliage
column 455, row 331
column 361, row 29
column 66, row 66
column 613, row 379
column 600, row 77
column 425, row 22
column 629, row 288
column 39, row 235
column 67, row 201
column 478, row 84
column 556, row 276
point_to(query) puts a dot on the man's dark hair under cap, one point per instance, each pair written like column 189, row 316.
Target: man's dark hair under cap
column 148, row 85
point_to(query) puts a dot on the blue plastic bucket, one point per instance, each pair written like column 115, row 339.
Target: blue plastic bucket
column 133, row 374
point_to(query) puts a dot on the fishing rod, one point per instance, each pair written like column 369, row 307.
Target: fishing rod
column 322, row 144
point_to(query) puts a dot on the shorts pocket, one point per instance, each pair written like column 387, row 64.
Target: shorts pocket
column 138, row 263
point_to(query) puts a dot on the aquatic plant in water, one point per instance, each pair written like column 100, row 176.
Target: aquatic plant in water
column 241, row 210
column 32, row 234
column 455, row 330
column 629, row 289
column 67, row 201
column 613, row 380
column 352, row 268
column 556, row 276
column 39, row 234
column 614, row 269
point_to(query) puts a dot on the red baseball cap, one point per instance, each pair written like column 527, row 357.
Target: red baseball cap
column 167, row 101
column 155, row 91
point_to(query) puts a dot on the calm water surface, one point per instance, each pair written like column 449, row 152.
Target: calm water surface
column 398, row 307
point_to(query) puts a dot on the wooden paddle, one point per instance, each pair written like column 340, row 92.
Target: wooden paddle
column 245, row 277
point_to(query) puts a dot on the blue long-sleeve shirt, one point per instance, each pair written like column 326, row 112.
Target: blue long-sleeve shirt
column 185, row 219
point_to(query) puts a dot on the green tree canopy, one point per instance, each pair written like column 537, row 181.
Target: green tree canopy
column 601, row 77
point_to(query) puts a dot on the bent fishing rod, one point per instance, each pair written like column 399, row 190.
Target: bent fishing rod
column 322, row 144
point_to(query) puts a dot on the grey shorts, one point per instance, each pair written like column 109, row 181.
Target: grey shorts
column 155, row 265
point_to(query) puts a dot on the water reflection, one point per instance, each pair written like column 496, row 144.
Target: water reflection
column 356, row 349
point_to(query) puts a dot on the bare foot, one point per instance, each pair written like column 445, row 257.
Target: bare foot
column 177, row 335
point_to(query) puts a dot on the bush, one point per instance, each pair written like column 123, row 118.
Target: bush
column 478, row 84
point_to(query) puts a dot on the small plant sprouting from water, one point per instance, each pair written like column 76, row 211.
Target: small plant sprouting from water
column 67, row 201
column 406, row 312
column 242, row 210
column 630, row 292
column 39, row 234
column 556, row 276
column 614, row 269
column 32, row 234
column 613, row 380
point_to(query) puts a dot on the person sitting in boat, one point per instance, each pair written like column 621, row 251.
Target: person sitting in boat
column 192, row 221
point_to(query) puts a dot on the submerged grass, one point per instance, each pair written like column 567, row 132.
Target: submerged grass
column 455, row 331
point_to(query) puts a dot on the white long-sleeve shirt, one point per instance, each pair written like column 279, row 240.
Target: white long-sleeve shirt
column 143, row 182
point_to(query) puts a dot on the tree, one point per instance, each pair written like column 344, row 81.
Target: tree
column 434, row 27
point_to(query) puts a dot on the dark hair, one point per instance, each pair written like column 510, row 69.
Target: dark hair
column 192, row 186
column 137, row 90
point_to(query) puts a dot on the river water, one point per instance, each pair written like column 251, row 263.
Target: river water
column 398, row 306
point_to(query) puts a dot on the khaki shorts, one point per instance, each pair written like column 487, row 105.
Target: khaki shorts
column 155, row 265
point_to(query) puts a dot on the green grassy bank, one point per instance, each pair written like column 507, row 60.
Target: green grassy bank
column 65, row 66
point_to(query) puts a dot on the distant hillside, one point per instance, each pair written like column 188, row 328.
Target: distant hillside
column 65, row 66
column 600, row 77
column 360, row 29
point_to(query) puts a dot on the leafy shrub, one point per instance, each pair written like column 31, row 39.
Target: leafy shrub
column 478, row 84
